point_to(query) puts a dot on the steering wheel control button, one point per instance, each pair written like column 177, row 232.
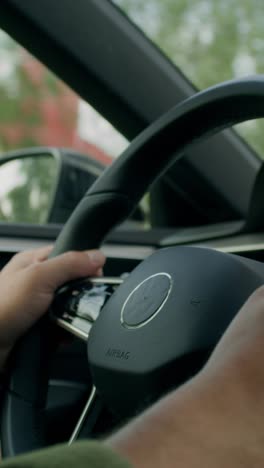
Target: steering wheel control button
column 146, row 300
column 77, row 306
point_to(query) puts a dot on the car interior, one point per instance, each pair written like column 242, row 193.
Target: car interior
column 178, row 215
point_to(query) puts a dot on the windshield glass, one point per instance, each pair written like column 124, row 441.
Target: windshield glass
column 209, row 40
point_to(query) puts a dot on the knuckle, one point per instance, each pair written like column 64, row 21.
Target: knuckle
column 21, row 255
column 258, row 294
column 72, row 256
column 35, row 269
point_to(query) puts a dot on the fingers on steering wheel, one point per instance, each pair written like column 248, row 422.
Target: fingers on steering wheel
column 70, row 265
column 26, row 258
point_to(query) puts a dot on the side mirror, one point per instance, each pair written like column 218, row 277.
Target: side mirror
column 43, row 185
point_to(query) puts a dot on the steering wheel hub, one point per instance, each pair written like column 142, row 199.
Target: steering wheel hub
column 146, row 300
column 170, row 321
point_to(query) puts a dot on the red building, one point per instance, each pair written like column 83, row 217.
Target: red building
column 43, row 112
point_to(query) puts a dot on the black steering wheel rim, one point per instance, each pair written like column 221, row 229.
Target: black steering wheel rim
column 110, row 200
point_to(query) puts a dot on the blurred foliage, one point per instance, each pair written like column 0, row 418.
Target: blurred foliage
column 209, row 40
column 25, row 87
column 37, row 109
column 29, row 197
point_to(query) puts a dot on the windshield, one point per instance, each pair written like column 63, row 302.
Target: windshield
column 209, row 40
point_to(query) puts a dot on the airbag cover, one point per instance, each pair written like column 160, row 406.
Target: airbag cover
column 172, row 308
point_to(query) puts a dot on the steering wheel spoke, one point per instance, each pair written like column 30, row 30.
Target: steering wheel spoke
column 78, row 304
column 88, row 417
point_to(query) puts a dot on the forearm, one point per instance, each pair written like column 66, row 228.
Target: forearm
column 82, row 454
column 194, row 427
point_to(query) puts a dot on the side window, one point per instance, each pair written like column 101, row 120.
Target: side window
column 39, row 110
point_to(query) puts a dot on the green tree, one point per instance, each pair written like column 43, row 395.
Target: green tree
column 209, row 40
column 22, row 93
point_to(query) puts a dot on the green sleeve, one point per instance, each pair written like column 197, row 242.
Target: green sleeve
column 79, row 455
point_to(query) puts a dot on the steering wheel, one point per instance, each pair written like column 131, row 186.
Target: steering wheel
column 161, row 322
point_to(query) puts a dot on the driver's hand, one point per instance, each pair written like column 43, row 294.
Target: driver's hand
column 216, row 420
column 27, row 286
